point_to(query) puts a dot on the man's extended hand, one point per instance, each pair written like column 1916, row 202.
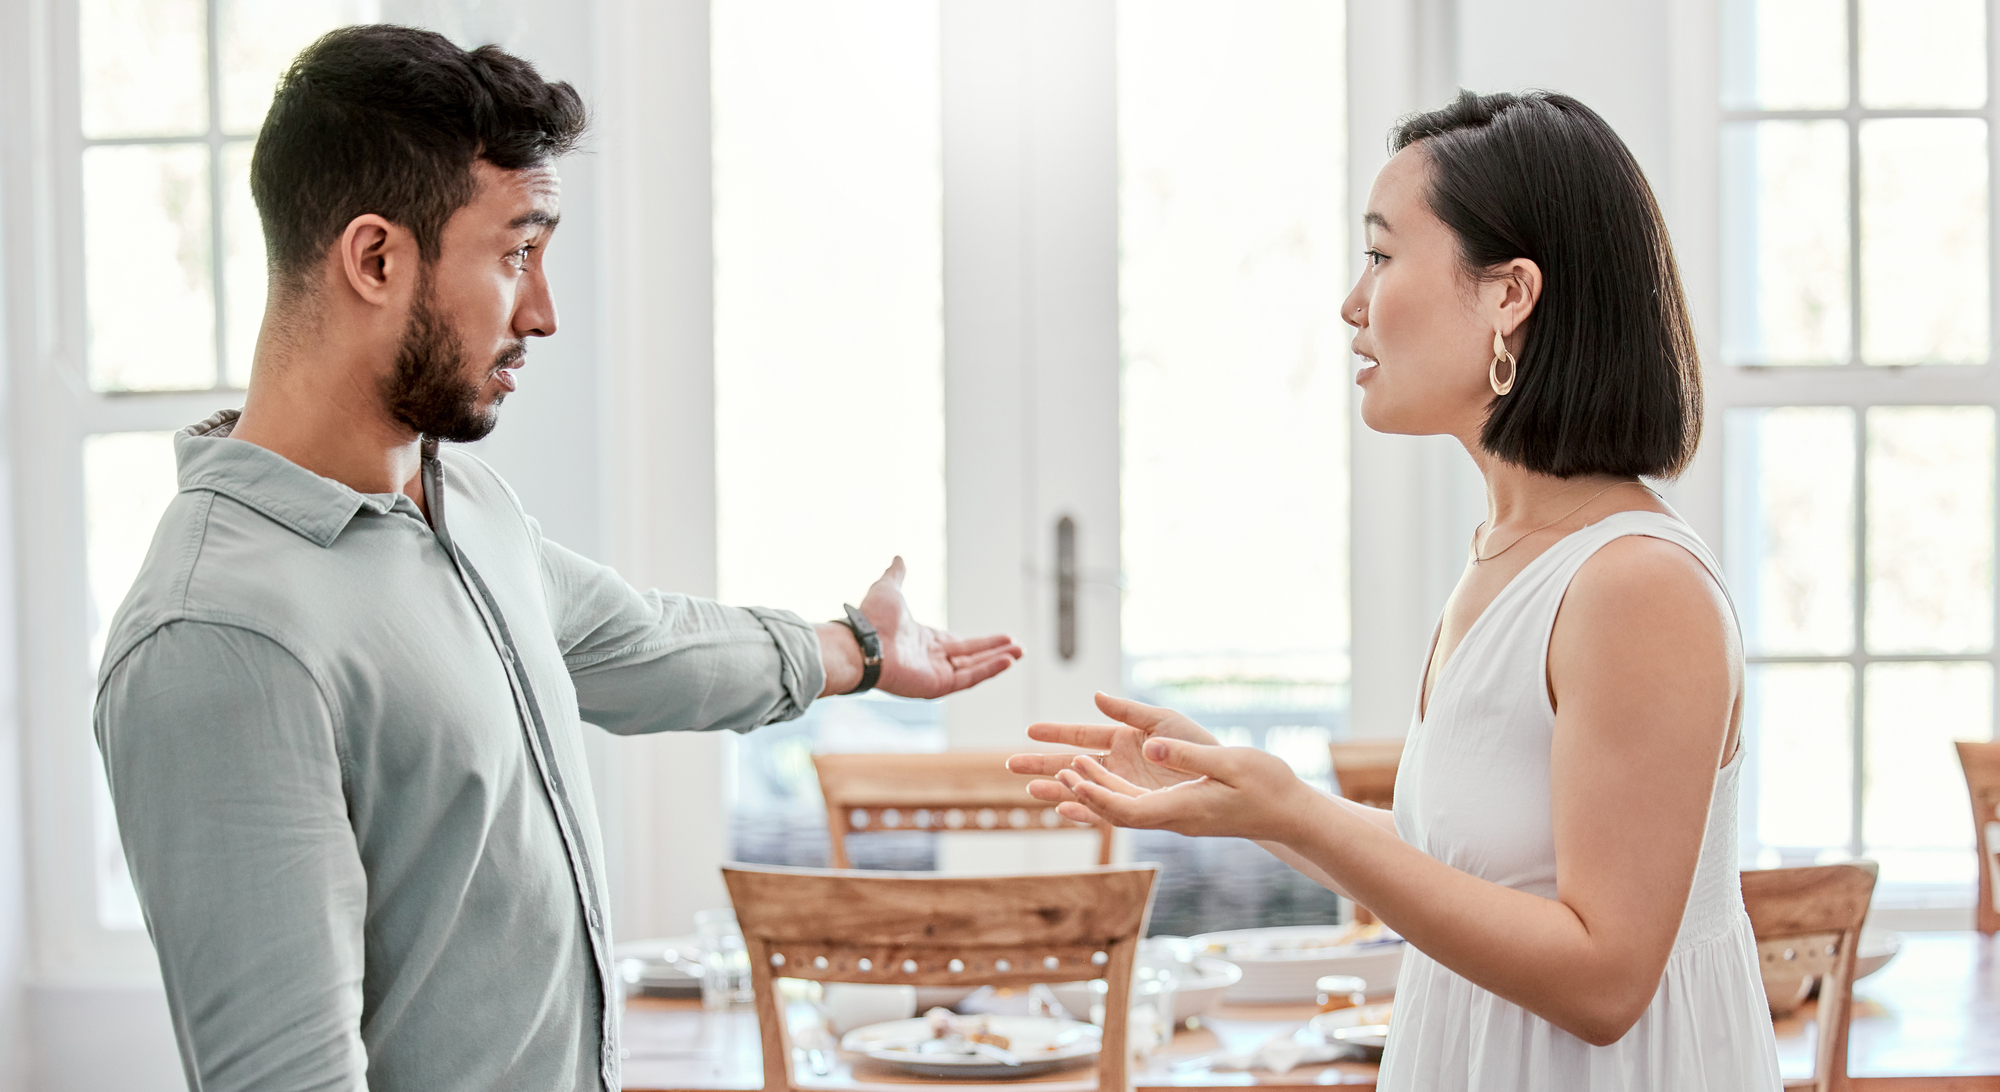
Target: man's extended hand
column 917, row 661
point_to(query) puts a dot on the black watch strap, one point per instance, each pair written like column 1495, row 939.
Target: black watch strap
column 871, row 647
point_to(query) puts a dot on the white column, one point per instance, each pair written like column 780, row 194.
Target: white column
column 1031, row 346
column 657, row 311
column 1031, row 368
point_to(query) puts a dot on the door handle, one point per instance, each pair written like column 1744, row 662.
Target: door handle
column 1066, row 588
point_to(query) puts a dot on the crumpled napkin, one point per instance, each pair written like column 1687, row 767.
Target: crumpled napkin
column 1283, row 1052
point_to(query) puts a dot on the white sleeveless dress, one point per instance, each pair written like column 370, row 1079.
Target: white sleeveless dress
column 1473, row 792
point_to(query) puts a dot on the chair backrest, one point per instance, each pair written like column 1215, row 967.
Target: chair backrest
column 1808, row 920
column 952, row 791
column 1981, row 762
column 924, row 929
column 1365, row 770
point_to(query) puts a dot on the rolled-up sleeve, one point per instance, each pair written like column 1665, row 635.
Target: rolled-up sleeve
column 227, row 777
column 654, row 661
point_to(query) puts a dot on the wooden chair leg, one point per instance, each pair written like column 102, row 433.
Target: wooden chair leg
column 1987, row 915
column 836, row 835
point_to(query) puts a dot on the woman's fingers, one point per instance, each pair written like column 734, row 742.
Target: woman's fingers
column 1137, row 714
column 1195, row 758
column 1088, row 766
column 1090, row 737
column 1039, row 765
column 1048, row 791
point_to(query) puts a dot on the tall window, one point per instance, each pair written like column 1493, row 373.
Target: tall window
column 171, row 94
column 1233, row 263
column 829, row 366
column 1858, row 422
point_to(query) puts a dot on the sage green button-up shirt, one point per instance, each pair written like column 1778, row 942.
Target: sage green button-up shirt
column 345, row 750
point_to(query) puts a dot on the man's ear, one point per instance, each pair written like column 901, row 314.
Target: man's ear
column 375, row 256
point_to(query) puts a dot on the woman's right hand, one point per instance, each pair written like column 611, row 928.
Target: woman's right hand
column 1120, row 747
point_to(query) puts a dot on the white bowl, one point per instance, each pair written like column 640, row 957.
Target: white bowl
column 1200, row 987
column 1283, row 964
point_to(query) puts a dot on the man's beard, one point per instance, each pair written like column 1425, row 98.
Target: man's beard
column 428, row 391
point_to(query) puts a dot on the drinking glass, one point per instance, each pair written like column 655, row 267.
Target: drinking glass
column 725, row 964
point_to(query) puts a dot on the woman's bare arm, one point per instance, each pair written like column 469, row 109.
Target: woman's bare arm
column 1643, row 664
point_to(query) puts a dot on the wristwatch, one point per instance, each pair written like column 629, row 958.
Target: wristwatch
column 871, row 646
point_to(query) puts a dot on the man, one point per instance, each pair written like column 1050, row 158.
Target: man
column 341, row 708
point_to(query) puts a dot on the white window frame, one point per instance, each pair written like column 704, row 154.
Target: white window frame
column 1697, row 183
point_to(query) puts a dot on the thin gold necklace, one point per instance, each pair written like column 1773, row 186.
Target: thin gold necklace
column 1476, row 559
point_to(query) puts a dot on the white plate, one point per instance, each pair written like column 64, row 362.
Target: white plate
column 1326, row 1023
column 1039, row 1042
column 1281, row 965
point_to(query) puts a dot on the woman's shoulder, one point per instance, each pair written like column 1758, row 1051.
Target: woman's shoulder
column 1647, row 570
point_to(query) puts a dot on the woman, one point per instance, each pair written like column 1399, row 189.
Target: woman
column 1562, row 853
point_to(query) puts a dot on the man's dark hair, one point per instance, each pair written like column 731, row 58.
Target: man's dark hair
column 1609, row 377
column 388, row 120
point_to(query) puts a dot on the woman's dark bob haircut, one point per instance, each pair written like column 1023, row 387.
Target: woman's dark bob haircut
column 1609, row 381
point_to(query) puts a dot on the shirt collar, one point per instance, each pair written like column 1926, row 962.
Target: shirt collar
column 316, row 508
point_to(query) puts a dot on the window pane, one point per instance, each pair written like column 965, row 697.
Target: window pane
column 147, row 266
column 1785, row 243
column 1923, row 53
column 828, row 311
column 1790, row 497
column 1784, row 54
column 260, row 38
column 1799, row 720
column 1914, row 818
column 1923, row 241
column 1930, row 529
column 828, row 287
column 128, row 480
column 242, row 263
column 145, row 67
column 1232, row 240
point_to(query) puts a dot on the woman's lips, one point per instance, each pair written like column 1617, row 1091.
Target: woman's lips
column 1367, row 369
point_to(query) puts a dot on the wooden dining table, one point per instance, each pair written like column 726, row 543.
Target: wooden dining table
column 1927, row 1022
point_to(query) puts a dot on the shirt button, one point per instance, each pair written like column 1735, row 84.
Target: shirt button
column 506, row 654
column 596, row 920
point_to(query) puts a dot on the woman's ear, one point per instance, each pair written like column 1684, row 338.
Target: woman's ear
column 1519, row 286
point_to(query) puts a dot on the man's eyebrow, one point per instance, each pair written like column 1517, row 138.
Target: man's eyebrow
column 537, row 218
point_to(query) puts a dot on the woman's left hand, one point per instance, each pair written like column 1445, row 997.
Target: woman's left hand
column 1236, row 792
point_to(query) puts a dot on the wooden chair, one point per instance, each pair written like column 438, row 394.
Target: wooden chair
column 953, row 791
column 1364, row 771
column 923, row 929
column 1981, row 762
column 1808, row 920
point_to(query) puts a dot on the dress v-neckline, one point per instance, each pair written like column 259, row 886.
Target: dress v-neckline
column 1435, row 685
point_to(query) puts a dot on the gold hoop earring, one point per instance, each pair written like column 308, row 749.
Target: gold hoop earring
column 1500, row 353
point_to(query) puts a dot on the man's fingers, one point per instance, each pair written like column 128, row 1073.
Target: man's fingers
column 1090, row 737
column 980, row 672
column 971, row 646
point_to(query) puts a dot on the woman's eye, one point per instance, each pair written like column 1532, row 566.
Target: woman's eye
column 1374, row 257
